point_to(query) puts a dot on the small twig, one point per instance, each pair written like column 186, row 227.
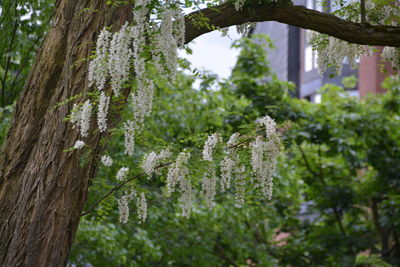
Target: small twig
column 362, row 11
column 306, row 161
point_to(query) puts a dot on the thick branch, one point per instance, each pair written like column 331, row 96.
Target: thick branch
column 225, row 15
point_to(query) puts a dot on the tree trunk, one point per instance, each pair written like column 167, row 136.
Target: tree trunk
column 42, row 188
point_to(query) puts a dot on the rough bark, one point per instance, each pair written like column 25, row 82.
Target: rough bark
column 42, row 188
column 225, row 15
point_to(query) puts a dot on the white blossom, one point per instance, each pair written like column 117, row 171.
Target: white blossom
column 123, row 206
column 269, row 124
column 142, row 208
column 333, row 52
column 167, row 44
column 122, row 173
column 239, row 4
column 240, row 185
column 119, row 58
column 102, row 112
column 106, row 160
column 79, row 144
column 142, row 101
column 210, row 145
column 209, row 187
column 164, row 154
column 264, row 153
column 227, row 167
column 177, row 171
column 149, row 163
column 244, row 29
column 129, row 140
column 98, row 67
column 233, row 140
column 186, row 197
column 85, row 114
column 179, row 28
column 229, row 162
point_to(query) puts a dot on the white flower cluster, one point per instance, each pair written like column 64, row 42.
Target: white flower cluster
column 245, row 28
column 334, row 51
column 151, row 161
column 104, row 102
column 122, row 173
column 264, row 153
column 119, row 58
column 229, row 162
column 392, row 54
column 80, row 116
column 209, row 187
column 142, row 101
column 239, row 4
column 98, row 67
column 116, row 51
column 378, row 13
column 210, row 145
column 177, row 171
column 178, row 174
column 166, row 42
column 142, row 208
column 240, row 185
column 106, row 160
column 186, row 197
column 123, row 206
column 85, row 114
column 129, row 140
column 79, row 144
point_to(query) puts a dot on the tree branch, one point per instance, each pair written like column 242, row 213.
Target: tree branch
column 226, row 15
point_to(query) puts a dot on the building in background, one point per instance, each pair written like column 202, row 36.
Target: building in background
column 293, row 60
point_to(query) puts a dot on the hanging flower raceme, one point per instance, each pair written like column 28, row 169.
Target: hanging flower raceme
column 123, row 206
column 209, row 184
column 85, row 114
column 98, row 67
column 210, row 145
column 122, row 173
column 177, row 171
column 120, row 57
column 264, row 153
column 229, row 162
column 151, row 161
column 106, row 160
column 142, row 208
column 104, row 102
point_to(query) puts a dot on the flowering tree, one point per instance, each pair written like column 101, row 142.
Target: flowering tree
column 43, row 181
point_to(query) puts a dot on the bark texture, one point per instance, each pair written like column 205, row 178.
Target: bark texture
column 42, row 188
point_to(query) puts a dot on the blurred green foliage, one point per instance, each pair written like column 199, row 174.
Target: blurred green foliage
column 22, row 26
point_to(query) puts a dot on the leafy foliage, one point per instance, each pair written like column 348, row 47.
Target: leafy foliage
column 335, row 195
column 22, row 26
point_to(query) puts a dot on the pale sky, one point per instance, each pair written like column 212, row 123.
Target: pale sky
column 212, row 52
